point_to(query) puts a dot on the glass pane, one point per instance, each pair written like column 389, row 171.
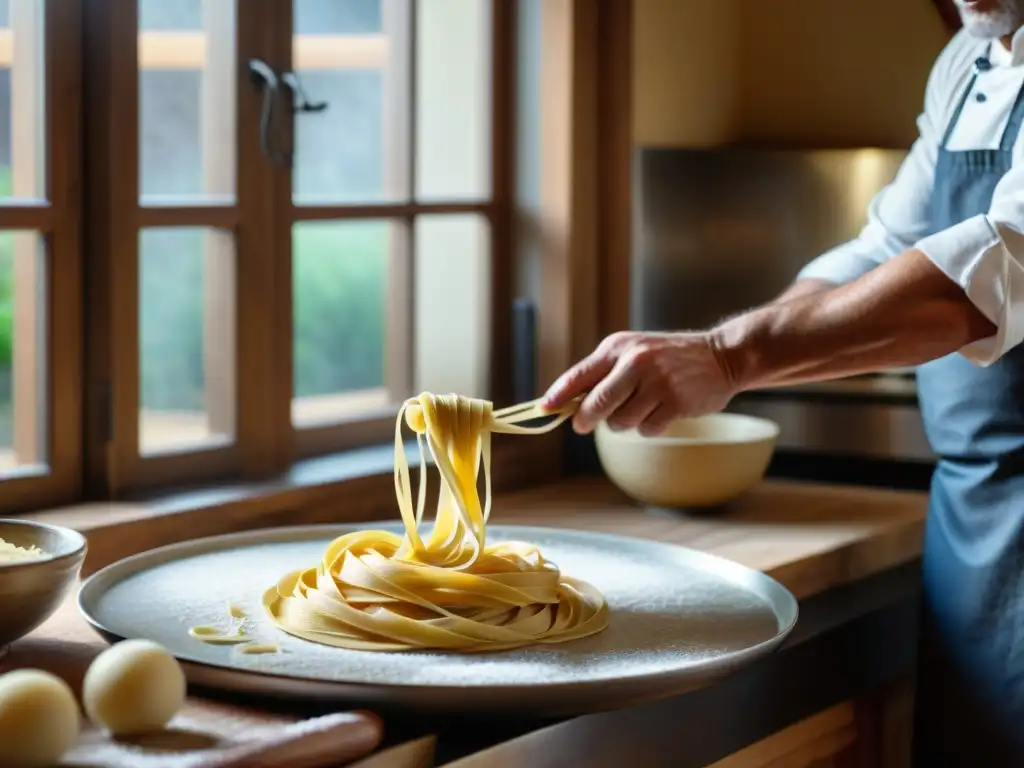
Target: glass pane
column 355, row 57
column 341, row 283
column 337, row 17
column 452, row 303
column 23, row 387
column 22, row 101
column 176, row 15
column 187, row 101
column 186, row 338
column 453, row 99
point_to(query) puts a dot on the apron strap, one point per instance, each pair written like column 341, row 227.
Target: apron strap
column 1014, row 117
column 960, row 108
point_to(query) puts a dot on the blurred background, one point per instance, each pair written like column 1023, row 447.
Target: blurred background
column 737, row 107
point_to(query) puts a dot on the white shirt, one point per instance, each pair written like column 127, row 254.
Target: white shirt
column 984, row 254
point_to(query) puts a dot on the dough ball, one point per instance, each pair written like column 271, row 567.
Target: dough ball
column 39, row 719
column 133, row 687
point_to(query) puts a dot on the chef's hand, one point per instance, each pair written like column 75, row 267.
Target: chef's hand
column 645, row 381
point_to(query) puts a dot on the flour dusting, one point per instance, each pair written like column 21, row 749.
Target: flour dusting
column 665, row 615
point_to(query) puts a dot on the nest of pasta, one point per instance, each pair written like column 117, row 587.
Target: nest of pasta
column 450, row 589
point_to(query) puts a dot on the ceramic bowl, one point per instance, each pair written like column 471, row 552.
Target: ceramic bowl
column 703, row 462
column 32, row 590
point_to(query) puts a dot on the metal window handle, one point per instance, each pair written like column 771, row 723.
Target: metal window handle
column 302, row 100
column 263, row 77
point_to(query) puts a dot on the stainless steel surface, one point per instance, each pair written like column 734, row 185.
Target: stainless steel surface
column 722, row 230
column 874, row 430
column 679, row 619
column 895, row 387
column 31, row 591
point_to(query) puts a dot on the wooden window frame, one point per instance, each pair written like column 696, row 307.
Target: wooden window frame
column 47, row 369
column 587, row 107
column 581, row 219
column 117, row 216
column 377, row 425
column 265, row 441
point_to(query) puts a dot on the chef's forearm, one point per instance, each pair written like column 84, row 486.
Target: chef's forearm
column 801, row 288
column 903, row 313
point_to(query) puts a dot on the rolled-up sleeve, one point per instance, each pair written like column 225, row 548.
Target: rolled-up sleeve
column 984, row 255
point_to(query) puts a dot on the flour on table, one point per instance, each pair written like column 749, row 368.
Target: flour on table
column 665, row 616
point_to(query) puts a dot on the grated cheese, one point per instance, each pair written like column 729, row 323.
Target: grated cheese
column 9, row 553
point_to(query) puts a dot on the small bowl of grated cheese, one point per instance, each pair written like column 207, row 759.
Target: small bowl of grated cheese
column 12, row 553
column 39, row 565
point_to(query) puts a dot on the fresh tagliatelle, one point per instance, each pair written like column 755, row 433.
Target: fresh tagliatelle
column 449, row 589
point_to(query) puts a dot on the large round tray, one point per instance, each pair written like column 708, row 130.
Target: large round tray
column 679, row 619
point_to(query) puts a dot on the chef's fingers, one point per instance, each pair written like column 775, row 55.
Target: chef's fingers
column 581, row 378
column 657, row 421
column 606, row 396
column 641, row 404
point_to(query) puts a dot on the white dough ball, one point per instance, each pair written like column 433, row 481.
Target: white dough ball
column 133, row 687
column 39, row 719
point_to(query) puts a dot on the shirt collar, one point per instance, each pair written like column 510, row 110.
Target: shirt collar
column 1000, row 57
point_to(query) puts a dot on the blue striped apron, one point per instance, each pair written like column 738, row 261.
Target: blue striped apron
column 970, row 696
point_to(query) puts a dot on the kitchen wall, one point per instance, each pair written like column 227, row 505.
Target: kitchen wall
column 806, row 72
column 686, row 71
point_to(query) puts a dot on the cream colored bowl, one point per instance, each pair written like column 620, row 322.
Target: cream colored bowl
column 699, row 462
column 32, row 590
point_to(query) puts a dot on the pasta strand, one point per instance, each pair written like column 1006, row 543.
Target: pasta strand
column 447, row 588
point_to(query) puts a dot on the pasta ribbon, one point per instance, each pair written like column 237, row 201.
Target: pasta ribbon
column 447, row 589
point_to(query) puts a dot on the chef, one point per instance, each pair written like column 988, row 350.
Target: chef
column 935, row 280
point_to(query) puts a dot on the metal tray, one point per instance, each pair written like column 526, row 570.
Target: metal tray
column 679, row 619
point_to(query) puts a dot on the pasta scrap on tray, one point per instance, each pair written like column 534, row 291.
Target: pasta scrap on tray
column 449, row 589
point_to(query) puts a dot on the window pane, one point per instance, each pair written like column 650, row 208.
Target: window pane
column 186, row 338
column 187, row 101
column 22, row 101
column 337, row 17
column 342, row 273
column 453, row 99
column 452, row 303
column 355, row 57
column 173, row 15
column 23, row 387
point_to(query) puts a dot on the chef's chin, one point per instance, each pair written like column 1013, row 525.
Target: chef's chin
column 991, row 19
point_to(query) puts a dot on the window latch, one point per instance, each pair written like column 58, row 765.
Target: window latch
column 263, row 77
column 302, row 101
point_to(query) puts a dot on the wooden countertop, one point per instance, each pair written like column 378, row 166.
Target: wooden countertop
column 810, row 537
